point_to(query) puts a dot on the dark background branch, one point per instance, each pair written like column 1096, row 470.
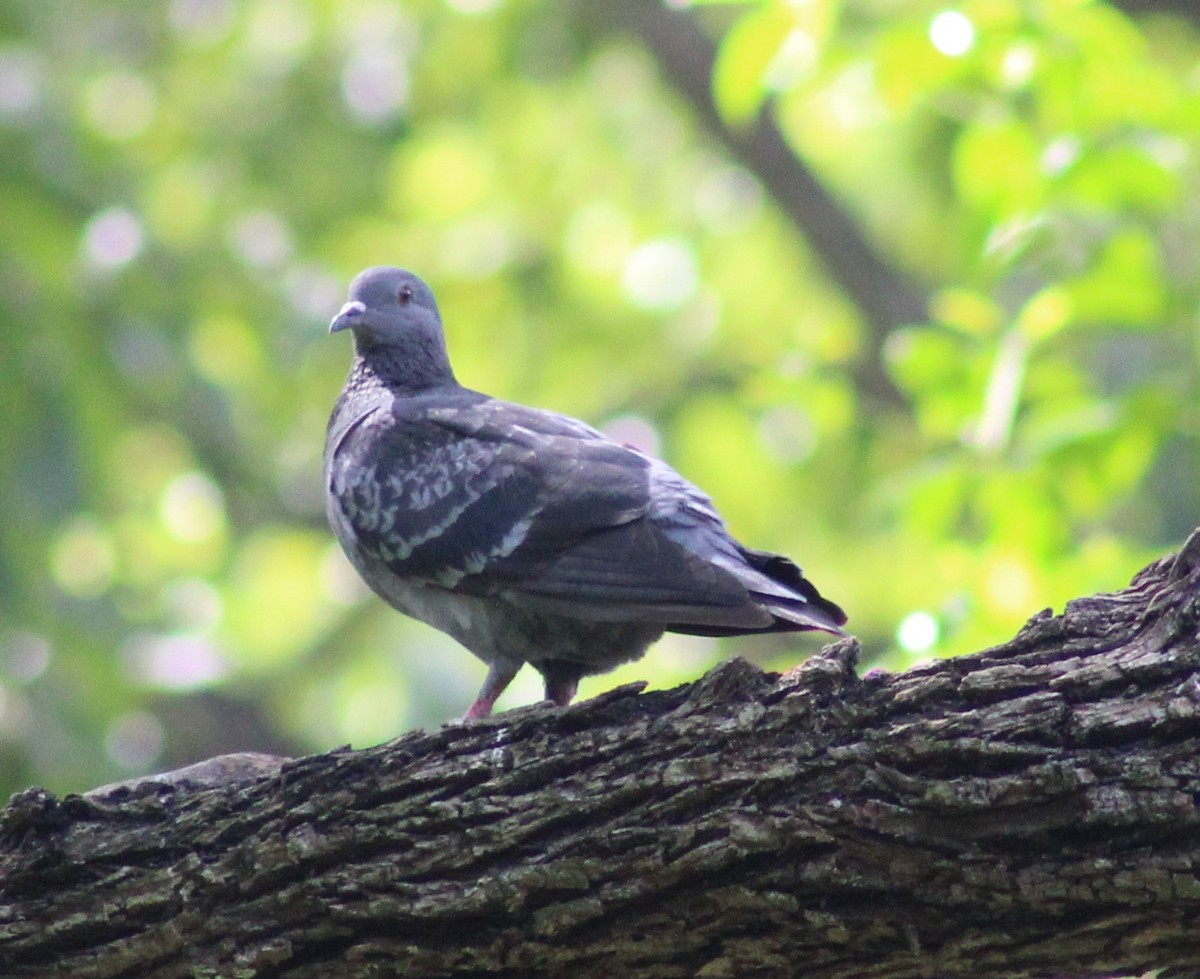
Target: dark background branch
column 1183, row 8
column 886, row 297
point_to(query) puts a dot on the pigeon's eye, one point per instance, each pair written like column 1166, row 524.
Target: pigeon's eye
column 404, row 296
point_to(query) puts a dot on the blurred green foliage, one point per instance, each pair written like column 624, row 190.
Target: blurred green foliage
column 187, row 186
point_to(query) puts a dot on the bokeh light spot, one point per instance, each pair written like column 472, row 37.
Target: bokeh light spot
column 476, row 247
column 634, row 430
column 375, row 83
column 661, row 275
column 202, row 22
column 313, row 291
column 1060, row 154
column 918, row 632
column 16, row 714
column 25, row 656
column 261, row 239
column 178, row 661
column 112, row 238
column 598, row 239
column 192, row 508
column 278, row 34
column 1008, row 586
column 135, row 740
column 795, row 61
column 788, row 433
column 120, row 105
column 473, row 6
column 83, row 559
column 1018, row 65
column 952, row 33
column 20, row 82
column 194, row 603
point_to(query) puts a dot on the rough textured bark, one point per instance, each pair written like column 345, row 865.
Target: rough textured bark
column 1030, row 810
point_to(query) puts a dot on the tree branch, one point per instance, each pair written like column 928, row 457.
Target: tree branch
column 1181, row 8
column 1028, row 810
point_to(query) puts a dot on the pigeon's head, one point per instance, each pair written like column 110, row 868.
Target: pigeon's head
column 388, row 305
column 396, row 326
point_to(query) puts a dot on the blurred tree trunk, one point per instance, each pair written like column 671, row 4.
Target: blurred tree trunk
column 1028, row 810
column 885, row 296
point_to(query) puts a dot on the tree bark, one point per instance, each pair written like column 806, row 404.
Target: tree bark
column 1029, row 810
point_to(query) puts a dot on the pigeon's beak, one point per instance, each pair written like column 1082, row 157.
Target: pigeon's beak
column 349, row 315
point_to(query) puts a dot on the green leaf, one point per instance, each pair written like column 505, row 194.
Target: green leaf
column 747, row 52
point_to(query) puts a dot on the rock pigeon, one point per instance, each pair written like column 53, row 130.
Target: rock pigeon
column 526, row 535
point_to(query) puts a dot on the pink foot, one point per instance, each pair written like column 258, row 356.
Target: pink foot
column 481, row 708
column 498, row 677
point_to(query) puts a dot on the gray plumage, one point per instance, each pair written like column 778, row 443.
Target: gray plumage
column 526, row 535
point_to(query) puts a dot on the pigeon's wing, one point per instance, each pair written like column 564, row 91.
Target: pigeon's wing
column 491, row 498
column 431, row 506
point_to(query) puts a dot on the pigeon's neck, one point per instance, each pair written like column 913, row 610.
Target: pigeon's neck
column 399, row 369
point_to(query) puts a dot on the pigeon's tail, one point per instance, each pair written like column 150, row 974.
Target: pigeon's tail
column 780, row 587
column 814, row 612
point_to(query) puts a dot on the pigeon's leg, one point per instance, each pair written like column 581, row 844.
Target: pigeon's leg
column 562, row 680
column 499, row 676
